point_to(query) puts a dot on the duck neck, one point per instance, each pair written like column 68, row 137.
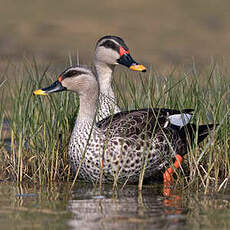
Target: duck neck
column 107, row 101
column 104, row 76
column 88, row 108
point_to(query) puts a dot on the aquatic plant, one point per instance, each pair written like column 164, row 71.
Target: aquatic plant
column 2, row 81
column 207, row 92
column 40, row 127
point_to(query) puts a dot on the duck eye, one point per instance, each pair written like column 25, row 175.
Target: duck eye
column 110, row 44
column 70, row 73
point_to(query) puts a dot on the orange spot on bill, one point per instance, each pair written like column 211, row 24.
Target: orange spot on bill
column 60, row 78
column 123, row 51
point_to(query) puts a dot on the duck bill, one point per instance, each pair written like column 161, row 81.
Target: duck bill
column 55, row 87
column 138, row 67
column 128, row 61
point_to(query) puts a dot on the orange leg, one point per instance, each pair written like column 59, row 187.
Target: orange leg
column 168, row 176
column 169, row 172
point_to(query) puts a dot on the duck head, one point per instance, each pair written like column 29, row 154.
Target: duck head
column 112, row 50
column 77, row 79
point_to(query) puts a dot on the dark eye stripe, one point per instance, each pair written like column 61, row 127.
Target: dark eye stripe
column 110, row 44
column 119, row 40
column 71, row 73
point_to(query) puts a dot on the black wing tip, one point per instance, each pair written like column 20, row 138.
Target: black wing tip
column 204, row 131
column 207, row 127
column 187, row 111
column 190, row 130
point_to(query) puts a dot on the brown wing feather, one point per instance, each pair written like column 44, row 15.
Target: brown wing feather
column 136, row 122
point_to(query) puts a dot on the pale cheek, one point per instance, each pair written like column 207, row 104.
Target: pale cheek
column 108, row 56
column 71, row 85
column 112, row 57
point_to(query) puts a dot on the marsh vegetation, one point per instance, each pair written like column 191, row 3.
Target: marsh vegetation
column 39, row 128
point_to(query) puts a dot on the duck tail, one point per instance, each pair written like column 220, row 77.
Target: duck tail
column 191, row 130
column 204, row 131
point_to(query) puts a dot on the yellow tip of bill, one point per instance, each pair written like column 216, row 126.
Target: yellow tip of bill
column 40, row 92
column 138, row 68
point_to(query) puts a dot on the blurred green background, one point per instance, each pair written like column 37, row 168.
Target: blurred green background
column 161, row 33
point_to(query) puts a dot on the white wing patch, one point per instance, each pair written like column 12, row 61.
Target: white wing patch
column 180, row 119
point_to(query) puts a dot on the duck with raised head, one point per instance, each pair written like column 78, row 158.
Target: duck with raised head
column 109, row 52
column 119, row 144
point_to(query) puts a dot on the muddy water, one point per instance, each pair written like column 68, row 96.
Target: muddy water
column 24, row 207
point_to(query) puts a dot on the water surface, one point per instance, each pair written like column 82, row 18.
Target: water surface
column 56, row 207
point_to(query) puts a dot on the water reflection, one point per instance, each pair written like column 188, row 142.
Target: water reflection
column 32, row 207
column 57, row 207
column 125, row 209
